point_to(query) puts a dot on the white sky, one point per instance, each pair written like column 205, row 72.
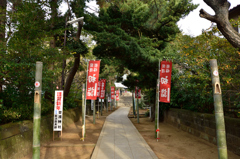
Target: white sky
column 192, row 24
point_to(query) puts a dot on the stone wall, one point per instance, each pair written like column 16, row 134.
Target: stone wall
column 204, row 126
column 16, row 138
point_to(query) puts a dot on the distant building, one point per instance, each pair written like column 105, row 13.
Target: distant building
column 234, row 13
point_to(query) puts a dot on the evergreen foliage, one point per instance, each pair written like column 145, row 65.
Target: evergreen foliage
column 192, row 88
column 136, row 32
column 35, row 32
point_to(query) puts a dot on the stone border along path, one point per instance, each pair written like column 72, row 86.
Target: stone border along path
column 119, row 139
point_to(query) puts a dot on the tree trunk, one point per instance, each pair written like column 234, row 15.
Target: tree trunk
column 75, row 67
column 3, row 5
column 221, row 18
column 71, row 75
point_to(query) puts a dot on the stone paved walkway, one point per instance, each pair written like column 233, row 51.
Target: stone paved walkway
column 119, row 139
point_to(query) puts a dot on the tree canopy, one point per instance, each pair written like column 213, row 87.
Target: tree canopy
column 136, row 33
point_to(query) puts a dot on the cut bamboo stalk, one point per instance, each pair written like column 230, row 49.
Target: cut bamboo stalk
column 218, row 109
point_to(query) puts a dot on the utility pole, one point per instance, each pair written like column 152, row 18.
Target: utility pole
column 37, row 111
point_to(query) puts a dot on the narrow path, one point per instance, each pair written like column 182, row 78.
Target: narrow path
column 119, row 139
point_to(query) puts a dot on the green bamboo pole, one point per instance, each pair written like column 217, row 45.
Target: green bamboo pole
column 94, row 112
column 85, row 104
column 157, row 110
column 115, row 101
column 37, row 111
column 83, row 109
column 98, row 108
column 133, row 96
column 137, row 107
column 218, row 109
column 101, row 106
column 106, row 101
column 111, row 102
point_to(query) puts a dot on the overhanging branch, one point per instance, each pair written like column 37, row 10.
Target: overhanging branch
column 204, row 14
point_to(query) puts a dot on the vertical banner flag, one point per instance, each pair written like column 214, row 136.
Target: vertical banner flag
column 58, row 111
column 102, row 88
column 117, row 95
column 112, row 92
column 165, row 81
column 92, row 79
column 139, row 92
column 98, row 89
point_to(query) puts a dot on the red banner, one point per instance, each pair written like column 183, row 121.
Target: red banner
column 117, row 95
column 165, row 81
column 102, row 89
column 139, row 93
column 112, row 92
column 92, row 79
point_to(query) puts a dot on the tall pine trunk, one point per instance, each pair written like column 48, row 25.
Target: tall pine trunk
column 75, row 67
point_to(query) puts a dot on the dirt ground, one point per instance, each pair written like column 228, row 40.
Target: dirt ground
column 72, row 146
column 174, row 143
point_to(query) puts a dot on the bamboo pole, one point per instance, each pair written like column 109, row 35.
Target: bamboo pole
column 37, row 111
column 137, row 107
column 85, row 103
column 133, row 96
column 101, row 106
column 98, row 108
column 218, row 109
column 157, row 110
column 115, row 101
column 94, row 112
column 83, row 110
column 106, row 101
column 111, row 101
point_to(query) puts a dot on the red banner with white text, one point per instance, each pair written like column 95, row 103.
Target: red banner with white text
column 117, row 95
column 139, row 92
column 92, row 79
column 165, row 81
column 112, row 92
column 102, row 88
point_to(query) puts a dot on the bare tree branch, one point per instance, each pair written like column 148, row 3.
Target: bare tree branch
column 220, row 8
column 204, row 14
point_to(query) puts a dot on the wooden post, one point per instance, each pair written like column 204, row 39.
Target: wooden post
column 37, row 111
column 157, row 110
column 218, row 109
